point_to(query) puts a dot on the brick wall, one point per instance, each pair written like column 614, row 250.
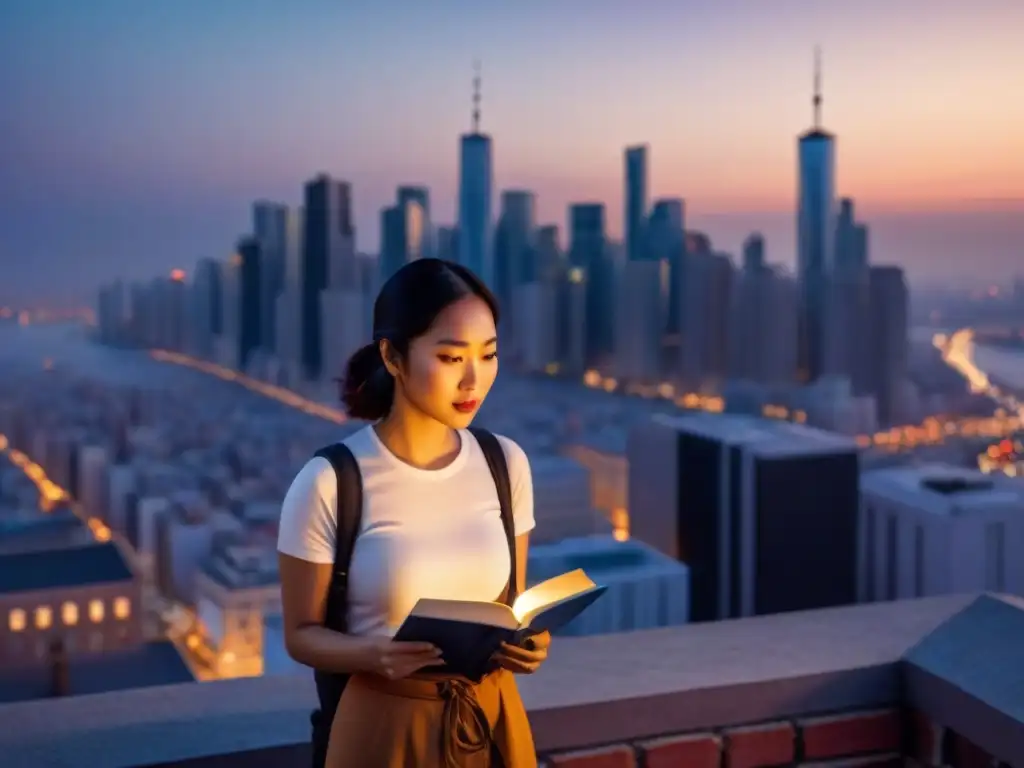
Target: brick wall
column 862, row 739
column 931, row 745
column 888, row 738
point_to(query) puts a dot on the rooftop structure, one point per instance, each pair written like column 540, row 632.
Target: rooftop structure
column 945, row 490
column 937, row 680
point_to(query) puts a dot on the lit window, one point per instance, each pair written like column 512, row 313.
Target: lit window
column 96, row 611
column 16, row 620
column 122, row 607
column 44, row 617
column 69, row 613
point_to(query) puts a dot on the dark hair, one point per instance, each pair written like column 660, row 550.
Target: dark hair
column 407, row 305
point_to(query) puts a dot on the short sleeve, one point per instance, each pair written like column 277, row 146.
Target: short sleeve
column 521, row 481
column 309, row 521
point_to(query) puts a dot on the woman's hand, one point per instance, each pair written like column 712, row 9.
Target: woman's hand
column 396, row 660
column 524, row 659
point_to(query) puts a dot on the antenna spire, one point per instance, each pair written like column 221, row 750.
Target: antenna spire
column 817, row 87
column 476, row 96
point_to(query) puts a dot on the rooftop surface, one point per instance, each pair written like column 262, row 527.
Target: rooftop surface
column 157, row 663
column 64, row 567
column 939, row 679
column 975, row 491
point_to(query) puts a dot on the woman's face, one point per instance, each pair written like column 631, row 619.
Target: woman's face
column 450, row 369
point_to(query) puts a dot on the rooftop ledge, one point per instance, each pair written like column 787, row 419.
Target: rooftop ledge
column 941, row 679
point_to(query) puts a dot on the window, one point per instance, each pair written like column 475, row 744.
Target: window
column 16, row 620
column 69, row 613
column 44, row 617
column 122, row 608
column 96, row 611
column 95, row 641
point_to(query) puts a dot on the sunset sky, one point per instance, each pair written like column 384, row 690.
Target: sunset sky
column 134, row 135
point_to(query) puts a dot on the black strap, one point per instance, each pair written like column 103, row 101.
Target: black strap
column 330, row 686
column 498, row 464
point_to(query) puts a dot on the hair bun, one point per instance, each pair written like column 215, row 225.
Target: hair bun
column 367, row 388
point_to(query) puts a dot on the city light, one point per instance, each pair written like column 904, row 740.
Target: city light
column 286, row 396
column 50, row 494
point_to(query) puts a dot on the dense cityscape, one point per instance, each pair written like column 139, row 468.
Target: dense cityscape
column 693, row 418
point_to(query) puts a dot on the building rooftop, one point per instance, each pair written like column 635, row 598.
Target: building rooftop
column 944, row 489
column 242, row 566
column 155, row 663
column 937, row 680
column 64, row 567
column 767, row 437
column 602, row 557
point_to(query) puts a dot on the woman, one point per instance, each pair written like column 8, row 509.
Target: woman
column 430, row 527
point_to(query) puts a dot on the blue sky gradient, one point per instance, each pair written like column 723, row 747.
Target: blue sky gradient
column 135, row 134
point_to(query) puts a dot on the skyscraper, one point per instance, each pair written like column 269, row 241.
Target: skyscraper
column 206, row 307
column 889, row 333
column 849, row 348
column 403, row 235
column 666, row 241
column 246, row 302
column 636, row 202
column 447, row 243
column 475, row 224
column 420, row 196
column 269, row 222
column 328, row 237
column 763, row 322
column 288, row 316
column 513, row 252
column 815, row 217
column 588, row 252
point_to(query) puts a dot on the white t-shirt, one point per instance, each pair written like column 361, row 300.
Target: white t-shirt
column 424, row 533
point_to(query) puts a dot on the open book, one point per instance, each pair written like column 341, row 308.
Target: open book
column 468, row 633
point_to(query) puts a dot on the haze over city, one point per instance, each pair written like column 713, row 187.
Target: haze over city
column 136, row 137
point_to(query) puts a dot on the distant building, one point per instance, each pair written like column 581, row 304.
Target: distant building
column 764, row 513
column 270, row 228
column 938, row 529
column 328, row 242
column 562, row 503
column 475, row 227
column 71, row 622
column 236, row 589
column 589, row 253
column 889, row 330
column 704, row 355
column 815, row 235
column 646, row 589
column 763, row 322
column 604, row 455
column 635, row 166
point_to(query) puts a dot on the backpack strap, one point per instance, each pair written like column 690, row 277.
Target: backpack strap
column 498, row 464
column 349, row 519
column 329, row 686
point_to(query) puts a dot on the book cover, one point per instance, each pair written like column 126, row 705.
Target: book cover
column 468, row 633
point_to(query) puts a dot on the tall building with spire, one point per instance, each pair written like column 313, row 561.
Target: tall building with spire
column 475, row 182
column 815, row 221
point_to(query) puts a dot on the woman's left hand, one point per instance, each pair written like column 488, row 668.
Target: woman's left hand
column 524, row 659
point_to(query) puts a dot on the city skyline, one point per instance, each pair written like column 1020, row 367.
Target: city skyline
column 182, row 185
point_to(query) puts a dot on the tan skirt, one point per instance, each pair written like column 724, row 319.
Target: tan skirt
column 431, row 723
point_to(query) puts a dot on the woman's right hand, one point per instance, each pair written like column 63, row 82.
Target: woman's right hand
column 395, row 660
